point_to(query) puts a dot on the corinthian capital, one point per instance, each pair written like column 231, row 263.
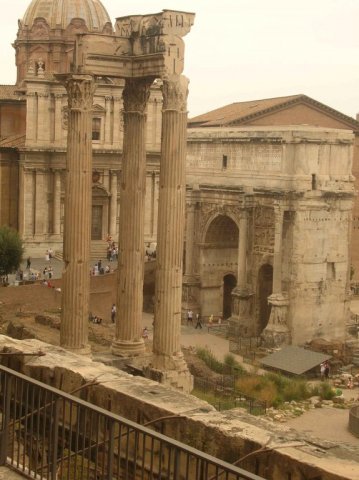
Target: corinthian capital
column 80, row 89
column 175, row 92
column 136, row 94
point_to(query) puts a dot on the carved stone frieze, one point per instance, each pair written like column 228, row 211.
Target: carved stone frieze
column 175, row 93
column 136, row 94
column 264, row 220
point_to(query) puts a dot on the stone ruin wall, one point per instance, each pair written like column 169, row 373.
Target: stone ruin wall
column 227, row 435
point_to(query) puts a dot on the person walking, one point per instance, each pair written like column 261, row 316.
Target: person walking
column 28, row 263
column 198, row 321
column 189, row 317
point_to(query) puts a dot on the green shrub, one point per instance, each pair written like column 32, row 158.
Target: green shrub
column 326, row 391
column 235, row 368
column 210, row 360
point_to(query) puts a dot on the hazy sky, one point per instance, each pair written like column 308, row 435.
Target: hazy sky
column 247, row 49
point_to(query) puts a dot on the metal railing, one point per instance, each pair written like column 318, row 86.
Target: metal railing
column 48, row 434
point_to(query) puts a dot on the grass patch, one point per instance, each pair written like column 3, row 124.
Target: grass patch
column 272, row 388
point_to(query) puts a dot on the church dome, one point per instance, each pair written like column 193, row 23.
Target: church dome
column 60, row 13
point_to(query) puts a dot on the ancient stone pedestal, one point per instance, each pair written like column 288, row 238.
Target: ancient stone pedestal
column 128, row 340
column 241, row 322
column 77, row 225
column 277, row 332
column 168, row 365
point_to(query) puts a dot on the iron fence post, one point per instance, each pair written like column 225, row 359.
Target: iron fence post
column 55, row 440
column 6, row 420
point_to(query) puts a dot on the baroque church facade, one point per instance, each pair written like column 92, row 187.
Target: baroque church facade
column 270, row 188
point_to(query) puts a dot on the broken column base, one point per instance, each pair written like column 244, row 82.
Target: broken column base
column 128, row 348
column 171, row 371
column 277, row 332
column 275, row 337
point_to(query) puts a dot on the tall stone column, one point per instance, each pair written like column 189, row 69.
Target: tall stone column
column 56, row 214
column 113, row 205
column 128, row 340
column 241, row 322
column 77, row 221
column 277, row 332
column 41, row 213
column 108, row 101
column 31, row 115
column 191, row 281
column 168, row 365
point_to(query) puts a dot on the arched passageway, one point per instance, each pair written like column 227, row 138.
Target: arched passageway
column 229, row 282
column 218, row 264
column 265, row 288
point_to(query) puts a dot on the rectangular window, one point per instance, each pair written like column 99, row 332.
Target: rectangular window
column 96, row 128
column 224, row 161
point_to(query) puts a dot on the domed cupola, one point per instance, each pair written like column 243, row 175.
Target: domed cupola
column 60, row 13
column 47, row 33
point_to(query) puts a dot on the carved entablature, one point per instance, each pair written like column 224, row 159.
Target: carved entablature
column 136, row 94
column 263, row 229
column 175, row 93
column 143, row 46
column 167, row 22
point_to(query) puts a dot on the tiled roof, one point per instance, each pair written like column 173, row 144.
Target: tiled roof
column 7, row 92
column 294, row 360
column 14, row 141
column 239, row 112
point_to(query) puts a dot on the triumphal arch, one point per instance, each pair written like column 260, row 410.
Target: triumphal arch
column 143, row 49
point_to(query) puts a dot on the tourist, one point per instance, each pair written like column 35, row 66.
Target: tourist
column 326, row 370
column 190, row 317
column 145, row 333
column 28, row 263
column 350, row 384
column 322, row 371
column 107, row 269
column 113, row 313
column 47, row 256
column 198, row 321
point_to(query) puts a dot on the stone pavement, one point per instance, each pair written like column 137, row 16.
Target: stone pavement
column 7, row 474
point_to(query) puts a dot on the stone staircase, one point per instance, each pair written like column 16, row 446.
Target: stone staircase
column 98, row 250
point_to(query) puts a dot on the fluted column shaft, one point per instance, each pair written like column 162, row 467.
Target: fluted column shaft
column 242, row 250
column 277, row 253
column 77, row 226
column 189, row 239
column 171, row 219
column 57, row 203
column 113, row 206
column 128, row 339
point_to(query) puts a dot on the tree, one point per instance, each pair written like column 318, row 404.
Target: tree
column 11, row 250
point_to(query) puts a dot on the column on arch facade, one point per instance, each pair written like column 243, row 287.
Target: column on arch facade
column 128, row 340
column 277, row 332
column 241, row 321
column 113, row 204
column 56, row 215
column 77, row 215
column 167, row 356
